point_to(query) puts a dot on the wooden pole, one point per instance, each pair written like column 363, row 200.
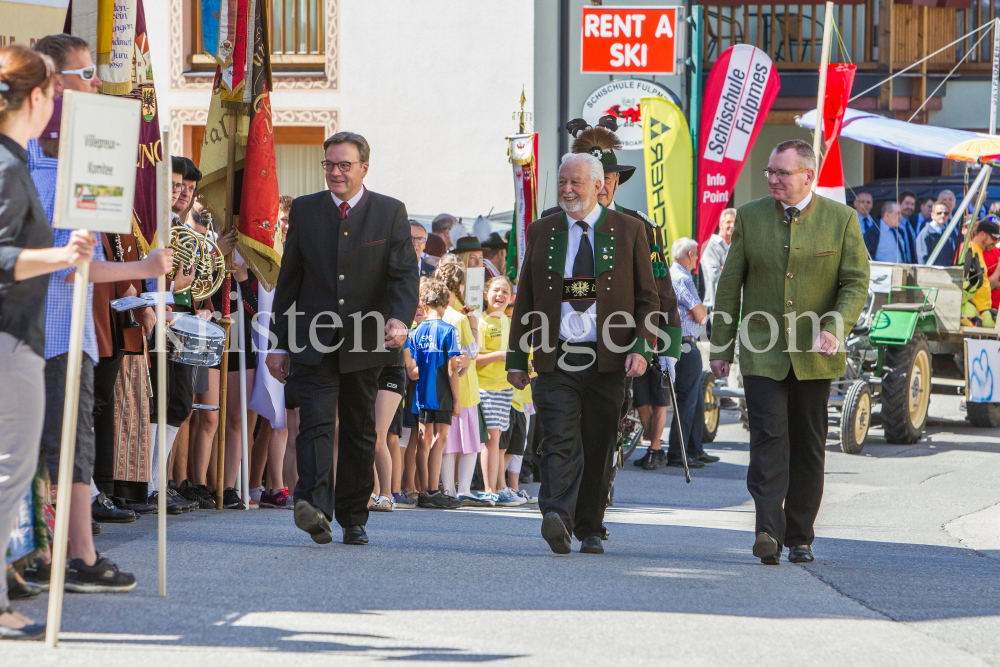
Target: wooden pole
column 824, row 64
column 225, row 322
column 67, row 450
column 885, row 54
column 163, row 199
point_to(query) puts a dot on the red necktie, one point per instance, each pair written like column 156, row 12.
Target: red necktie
column 344, row 208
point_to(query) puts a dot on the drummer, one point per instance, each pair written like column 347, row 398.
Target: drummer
column 87, row 572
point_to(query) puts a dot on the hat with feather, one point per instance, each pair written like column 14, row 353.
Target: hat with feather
column 601, row 142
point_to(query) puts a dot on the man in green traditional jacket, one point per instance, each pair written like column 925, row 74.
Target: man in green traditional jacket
column 797, row 275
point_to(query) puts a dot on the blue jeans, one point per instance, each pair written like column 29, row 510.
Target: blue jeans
column 690, row 408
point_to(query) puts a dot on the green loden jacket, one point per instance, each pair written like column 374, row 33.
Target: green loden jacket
column 779, row 270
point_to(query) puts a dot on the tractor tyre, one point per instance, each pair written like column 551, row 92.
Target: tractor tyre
column 906, row 390
column 855, row 417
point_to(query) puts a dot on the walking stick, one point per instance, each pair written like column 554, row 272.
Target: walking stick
column 677, row 419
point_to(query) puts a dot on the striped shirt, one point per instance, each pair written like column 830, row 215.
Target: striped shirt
column 687, row 298
column 59, row 304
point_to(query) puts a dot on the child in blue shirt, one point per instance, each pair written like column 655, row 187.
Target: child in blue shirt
column 432, row 353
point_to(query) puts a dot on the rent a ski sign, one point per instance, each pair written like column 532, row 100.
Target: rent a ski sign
column 632, row 40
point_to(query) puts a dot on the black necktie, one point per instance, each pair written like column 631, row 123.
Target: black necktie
column 583, row 265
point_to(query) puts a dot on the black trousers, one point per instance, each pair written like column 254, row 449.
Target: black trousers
column 323, row 393
column 56, row 369
column 690, row 408
column 105, row 376
column 579, row 412
column 788, row 427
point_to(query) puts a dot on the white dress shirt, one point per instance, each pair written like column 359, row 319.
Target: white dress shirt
column 352, row 202
column 801, row 205
column 574, row 326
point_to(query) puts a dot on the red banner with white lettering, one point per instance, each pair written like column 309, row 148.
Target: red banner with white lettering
column 839, row 81
column 738, row 95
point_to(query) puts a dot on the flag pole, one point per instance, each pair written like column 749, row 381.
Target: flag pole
column 163, row 199
column 225, row 322
column 244, row 437
column 821, row 90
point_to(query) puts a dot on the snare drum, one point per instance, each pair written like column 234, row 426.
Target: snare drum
column 194, row 341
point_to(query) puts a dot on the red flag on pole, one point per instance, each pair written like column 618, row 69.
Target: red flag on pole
column 839, row 80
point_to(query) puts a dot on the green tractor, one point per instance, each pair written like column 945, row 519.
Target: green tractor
column 909, row 343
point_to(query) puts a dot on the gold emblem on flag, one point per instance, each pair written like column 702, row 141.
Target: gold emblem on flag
column 579, row 288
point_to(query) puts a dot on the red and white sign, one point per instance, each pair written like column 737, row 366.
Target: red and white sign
column 632, row 40
column 738, row 94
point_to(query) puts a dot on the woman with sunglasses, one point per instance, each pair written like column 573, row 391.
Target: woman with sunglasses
column 26, row 259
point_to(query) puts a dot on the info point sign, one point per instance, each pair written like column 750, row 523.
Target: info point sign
column 632, row 40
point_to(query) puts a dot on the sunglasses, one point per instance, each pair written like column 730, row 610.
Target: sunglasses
column 86, row 73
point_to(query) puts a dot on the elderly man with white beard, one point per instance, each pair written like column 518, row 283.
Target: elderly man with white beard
column 587, row 308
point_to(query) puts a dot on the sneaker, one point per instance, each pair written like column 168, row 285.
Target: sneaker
column 403, row 501
column 266, row 500
column 476, row 501
column 206, row 500
column 438, row 501
column 38, row 573
column 255, row 495
column 653, row 459
column 187, row 492
column 280, row 498
column 527, row 497
column 231, row 500
column 506, row 498
column 185, row 505
column 101, row 577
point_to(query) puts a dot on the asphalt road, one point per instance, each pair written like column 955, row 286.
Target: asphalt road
column 907, row 573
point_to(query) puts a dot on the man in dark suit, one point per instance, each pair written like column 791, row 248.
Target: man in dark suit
column 585, row 268
column 347, row 287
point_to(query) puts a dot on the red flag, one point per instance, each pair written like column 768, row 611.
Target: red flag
column 839, row 80
column 738, row 95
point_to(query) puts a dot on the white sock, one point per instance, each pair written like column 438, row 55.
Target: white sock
column 154, row 459
column 93, row 490
column 515, row 464
column 466, row 468
column 448, row 473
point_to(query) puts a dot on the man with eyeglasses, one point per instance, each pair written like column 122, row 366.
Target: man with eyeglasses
column 418, row 235
column 930, row 235
column 797, row 272
column 349, row 281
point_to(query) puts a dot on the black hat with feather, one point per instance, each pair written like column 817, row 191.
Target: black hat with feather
column 601, row 142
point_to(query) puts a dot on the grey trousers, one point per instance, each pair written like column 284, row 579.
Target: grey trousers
column 22, row 411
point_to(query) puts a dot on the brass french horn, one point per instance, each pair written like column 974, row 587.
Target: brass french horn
column 193, row 249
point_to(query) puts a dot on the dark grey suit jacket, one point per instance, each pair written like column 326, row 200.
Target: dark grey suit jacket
column 352, row 267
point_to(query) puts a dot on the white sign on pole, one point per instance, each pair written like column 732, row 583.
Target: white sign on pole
column 98, row 145
column 982, row 360
column 475, row 278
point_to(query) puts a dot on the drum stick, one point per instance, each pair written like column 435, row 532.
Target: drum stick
column 245, row 465
column 163, row 194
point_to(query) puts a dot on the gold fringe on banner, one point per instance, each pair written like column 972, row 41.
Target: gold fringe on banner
column 265, row 261
column 113, row 88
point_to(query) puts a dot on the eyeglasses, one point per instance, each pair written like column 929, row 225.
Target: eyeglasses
column 180, row 187
column 86, row 73
column 343, row 166
column 418, row 240
column 781, row 173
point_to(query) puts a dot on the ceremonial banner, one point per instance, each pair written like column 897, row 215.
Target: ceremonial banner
column 239, row 69
column 255, row 193
column 218, row 30
column 738, row 95
column 668, row 158
column 830, row 180
column 524, row 156
column 115, row 45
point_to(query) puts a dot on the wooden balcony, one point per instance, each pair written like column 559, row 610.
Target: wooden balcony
column 792, row 34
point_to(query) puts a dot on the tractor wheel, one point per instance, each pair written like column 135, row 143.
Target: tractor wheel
column 855, row 417
column 712, row 410
column 983, row 415
column 906, row 390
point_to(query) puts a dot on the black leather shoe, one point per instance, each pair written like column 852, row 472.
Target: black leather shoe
column 355, row 535
column 767, row 549
column 708, row 458
column 95, row 528
column 138, row 508
column 591, row 545
column 555, row 533
column 314, row 522
column 103, row 509
column 800, row 553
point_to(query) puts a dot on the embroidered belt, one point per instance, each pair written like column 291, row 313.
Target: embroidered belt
column 579, row 289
